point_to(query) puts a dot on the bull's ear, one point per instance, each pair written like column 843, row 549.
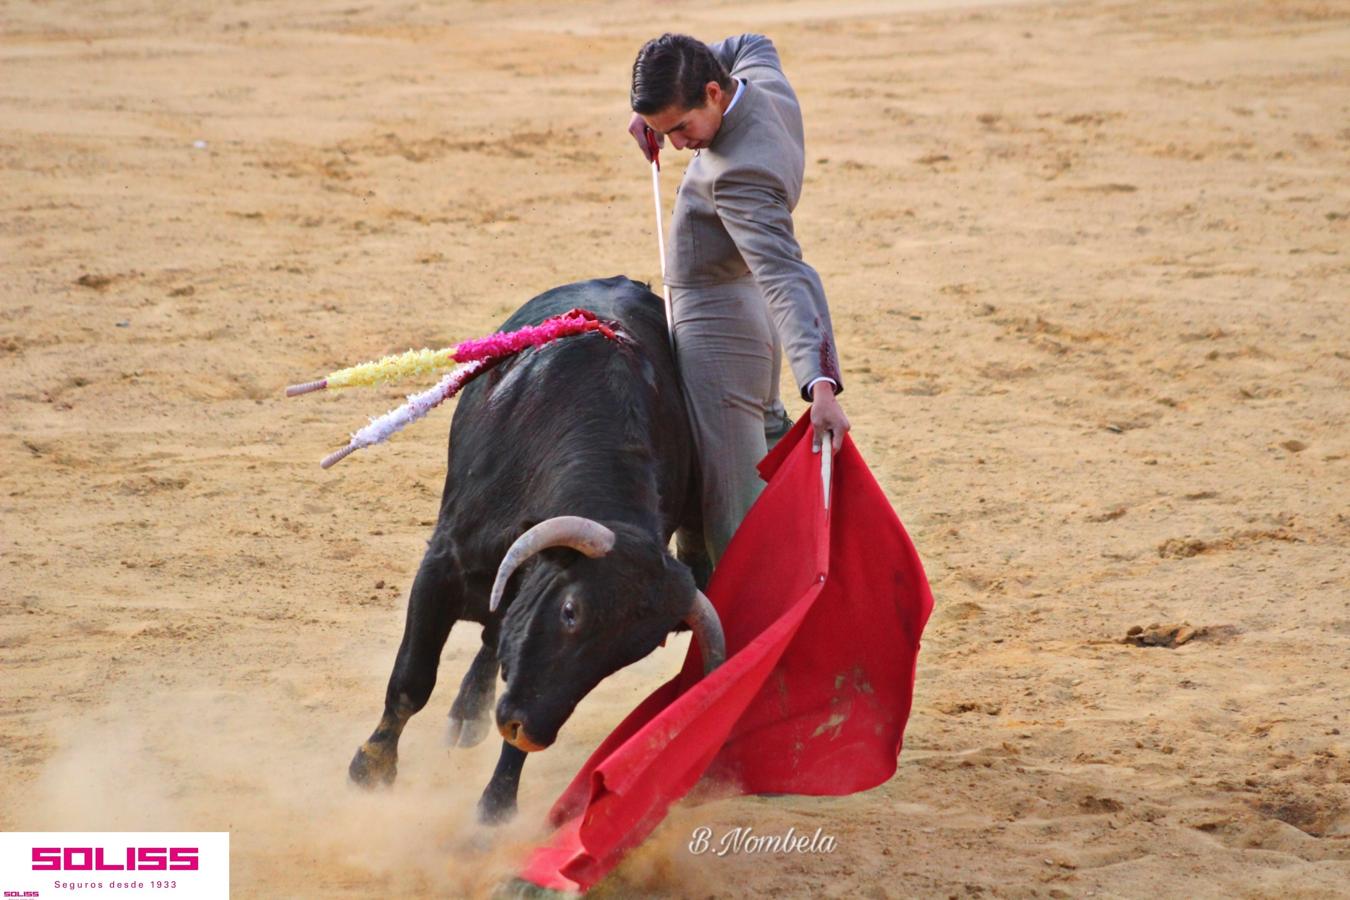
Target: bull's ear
column 696, row 614
column 693, row 552
column 677, row 587
column 562, row 557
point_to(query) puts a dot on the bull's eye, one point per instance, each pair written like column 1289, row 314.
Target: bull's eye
column 569, row 614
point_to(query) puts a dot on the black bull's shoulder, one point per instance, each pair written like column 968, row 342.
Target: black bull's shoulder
column 580, row 426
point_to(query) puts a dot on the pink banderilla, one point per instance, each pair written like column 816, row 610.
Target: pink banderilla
column 476, row 356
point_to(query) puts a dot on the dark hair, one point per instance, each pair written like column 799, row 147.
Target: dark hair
column 674, row 69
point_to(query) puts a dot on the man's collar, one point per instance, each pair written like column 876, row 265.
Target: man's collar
column 729, row 122
column 740, row 88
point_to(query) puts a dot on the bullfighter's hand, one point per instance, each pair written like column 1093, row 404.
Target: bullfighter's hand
column 638, row 129
column 826, row 415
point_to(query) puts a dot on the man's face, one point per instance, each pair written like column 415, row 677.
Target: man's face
column 692, row 129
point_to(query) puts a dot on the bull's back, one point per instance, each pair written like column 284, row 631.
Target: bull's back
column 561, row 367
column 530, row 433
column 618, row 299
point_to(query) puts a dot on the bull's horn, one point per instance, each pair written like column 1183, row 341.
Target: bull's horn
column 702, row 620
column 577, row 532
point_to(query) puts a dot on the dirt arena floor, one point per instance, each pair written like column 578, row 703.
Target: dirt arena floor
column 1088, row 270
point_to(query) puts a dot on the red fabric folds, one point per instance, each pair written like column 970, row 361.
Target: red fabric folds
column 823, row 610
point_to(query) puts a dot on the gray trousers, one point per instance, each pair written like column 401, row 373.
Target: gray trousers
column 729, row 357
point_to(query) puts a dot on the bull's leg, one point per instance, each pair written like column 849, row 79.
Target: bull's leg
column 471, row 713
column 433, row 606
column 498, row 803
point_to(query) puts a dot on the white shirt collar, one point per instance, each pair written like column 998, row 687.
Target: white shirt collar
column 740, row 88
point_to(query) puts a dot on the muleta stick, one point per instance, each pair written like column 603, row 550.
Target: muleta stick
column 655, row 150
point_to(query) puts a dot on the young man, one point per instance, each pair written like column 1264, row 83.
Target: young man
column 736, row 275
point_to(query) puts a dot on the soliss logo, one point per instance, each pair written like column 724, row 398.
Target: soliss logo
column 96, row 859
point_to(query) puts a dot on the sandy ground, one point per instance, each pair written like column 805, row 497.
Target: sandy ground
column 1088, row 270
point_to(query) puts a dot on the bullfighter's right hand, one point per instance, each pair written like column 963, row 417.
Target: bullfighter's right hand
column 637, row 127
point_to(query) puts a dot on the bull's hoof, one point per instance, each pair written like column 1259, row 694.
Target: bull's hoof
column 520, row 889
column 467, row 732
column 373, row 765
column 494, row 810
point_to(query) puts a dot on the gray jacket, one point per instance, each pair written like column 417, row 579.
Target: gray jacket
column 733, row 210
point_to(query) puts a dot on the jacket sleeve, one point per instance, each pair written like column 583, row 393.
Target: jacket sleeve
column 746, row 51
column 754, row 211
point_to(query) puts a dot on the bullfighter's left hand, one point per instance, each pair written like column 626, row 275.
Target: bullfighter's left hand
column 826, row 415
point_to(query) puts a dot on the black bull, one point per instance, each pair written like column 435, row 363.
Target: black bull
column 570, row 467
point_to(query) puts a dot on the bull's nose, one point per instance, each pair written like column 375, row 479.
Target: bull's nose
column 513, row 732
